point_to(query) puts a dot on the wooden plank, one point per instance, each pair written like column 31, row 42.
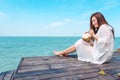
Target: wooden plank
column 58, row 74
column 46, row 60
column 19, row 65
column 66, row 68
column 107, row 77
column 49, row 58
column 116, row 54
column 8, row 75
column 76, row 77
column 53, row 66
column 44, row 72
column 2, row 75
column 71, row 69
column 32, row 68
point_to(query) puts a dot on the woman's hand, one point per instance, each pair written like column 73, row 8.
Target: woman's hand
column 93, row 34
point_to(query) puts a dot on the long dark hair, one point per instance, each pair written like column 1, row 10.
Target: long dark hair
column 100, row 19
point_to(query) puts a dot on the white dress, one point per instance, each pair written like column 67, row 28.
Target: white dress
column 102, row 49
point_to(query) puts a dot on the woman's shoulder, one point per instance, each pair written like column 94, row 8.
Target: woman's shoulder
column 104, row 26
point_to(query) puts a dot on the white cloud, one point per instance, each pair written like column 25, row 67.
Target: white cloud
column 87, row 13
column 60, row 23
column 56, row 24
column 112, row 2
column 109, row 5
column 67, row 20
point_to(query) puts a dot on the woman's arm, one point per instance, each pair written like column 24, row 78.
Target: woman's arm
column 103, row 37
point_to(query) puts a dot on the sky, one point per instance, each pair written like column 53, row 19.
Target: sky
column 54, row 17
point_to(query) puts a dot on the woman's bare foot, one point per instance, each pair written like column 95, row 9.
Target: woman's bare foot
column 60, row 53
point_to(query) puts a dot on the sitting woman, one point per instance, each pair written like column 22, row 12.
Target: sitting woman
column 98, row 50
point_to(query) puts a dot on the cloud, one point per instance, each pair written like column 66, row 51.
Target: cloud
column 87, row 13
column 108, row 5
column 56, row 24
column 67, row 20
column 60, row 23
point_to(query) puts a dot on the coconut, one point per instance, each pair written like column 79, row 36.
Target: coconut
column 86, row 37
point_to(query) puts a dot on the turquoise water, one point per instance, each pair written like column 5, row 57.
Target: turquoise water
column 12, row 49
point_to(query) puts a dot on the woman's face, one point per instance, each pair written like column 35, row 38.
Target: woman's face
column 94, row 22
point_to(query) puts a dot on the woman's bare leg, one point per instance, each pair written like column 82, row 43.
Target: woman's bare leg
column 66, row 51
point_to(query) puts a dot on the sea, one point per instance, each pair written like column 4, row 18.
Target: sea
column 12, row 49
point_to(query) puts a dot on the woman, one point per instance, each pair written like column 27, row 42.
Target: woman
column 99, row 50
